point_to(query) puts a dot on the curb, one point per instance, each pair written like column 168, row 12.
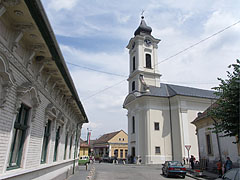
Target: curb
column 194, row 177
column 91, row 175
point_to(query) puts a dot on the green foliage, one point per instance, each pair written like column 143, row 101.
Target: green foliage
column 226, row 111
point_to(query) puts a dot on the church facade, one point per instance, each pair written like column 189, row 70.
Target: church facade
column 159, row 115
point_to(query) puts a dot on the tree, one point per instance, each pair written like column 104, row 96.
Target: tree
column 226, row 111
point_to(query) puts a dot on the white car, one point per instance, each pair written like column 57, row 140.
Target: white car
column 233, row 174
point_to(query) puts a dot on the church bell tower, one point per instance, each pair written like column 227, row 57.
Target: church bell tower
column 143, row 60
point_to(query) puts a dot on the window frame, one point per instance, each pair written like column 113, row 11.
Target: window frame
column 47, row 137
column 148, row 61
column 134, row 64
column 121, row 153
column 57, row 138
column 133, row 125
column 156, row 152
column 209, row 144
column 22, row 126
column 65, row 148
column 133, row 86
column 70, row 148
column 155, row 127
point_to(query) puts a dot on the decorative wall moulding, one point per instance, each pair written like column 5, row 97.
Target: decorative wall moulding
column 10, row 2
column 37, row 47
column 28, row 90
column 2, row 9
column 23, row 26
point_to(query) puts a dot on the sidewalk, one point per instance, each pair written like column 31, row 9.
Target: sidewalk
column 81, row 173
column 205, row 174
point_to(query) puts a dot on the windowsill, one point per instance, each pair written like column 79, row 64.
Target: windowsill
column 20, row 171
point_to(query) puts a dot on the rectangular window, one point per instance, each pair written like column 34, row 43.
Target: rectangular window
column 70, row 147
column 121, row 153
column 133, row 124
column 65, row 149
column 157, row 150
column 133, row 85
column 19, row 135
column 126, row 153
column 56, row 144
column 134, row 64
column 148, row 61
column 209, row 144
column 46, row 139
column 156, row 126
column 116, row 152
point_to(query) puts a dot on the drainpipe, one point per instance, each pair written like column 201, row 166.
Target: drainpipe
column 75, row 151
column 170, row 116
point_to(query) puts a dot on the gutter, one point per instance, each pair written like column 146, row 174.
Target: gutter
column 38, row 14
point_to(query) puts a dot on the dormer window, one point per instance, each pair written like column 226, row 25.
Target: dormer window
column 148, row 61
column 133, row 64
column 133, row 85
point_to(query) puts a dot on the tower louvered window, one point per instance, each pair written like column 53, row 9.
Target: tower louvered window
column 148, row 61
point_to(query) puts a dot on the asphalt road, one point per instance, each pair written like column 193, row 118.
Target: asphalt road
column 105, row 171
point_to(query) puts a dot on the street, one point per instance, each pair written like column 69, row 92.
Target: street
column 105, row 171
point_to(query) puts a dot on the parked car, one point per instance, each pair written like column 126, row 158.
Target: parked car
column 83, row 160
column 232, row 174
column 173, row 168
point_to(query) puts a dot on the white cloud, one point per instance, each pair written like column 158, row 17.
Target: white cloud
column 178, row 24
column 62, row 4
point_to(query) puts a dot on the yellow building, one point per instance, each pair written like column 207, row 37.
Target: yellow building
column 112, row 145
column 84, row 148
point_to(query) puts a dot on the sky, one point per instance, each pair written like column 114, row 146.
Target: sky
column 93, row 34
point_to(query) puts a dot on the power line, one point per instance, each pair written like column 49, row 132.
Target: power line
column 114, row 74
column 166, row 59
column 104, row 89
column 199, row 42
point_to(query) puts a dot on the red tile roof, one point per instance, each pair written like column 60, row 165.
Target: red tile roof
column 106, row 137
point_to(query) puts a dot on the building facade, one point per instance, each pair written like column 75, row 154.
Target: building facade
column 112, row 145
column 159, row 115
column 40, row 112
column 213, row 147
column 84, row 148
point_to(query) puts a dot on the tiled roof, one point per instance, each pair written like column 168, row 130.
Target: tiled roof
column 83, row 143
column 205, row 113
column 169, row 90
column 106, row 137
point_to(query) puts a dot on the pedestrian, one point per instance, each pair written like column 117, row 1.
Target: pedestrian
column 192, row 159
column 184, row 160
column 228, row 164
column 219, row 168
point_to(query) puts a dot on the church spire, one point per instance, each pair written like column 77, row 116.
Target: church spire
column 143, row 28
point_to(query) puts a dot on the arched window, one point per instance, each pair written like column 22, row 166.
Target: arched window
column 133, row 85
column 133, row 124
column 133, row 63
column 148, row 61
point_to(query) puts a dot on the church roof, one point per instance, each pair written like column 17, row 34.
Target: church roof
column 169, row 90
column 143, row 28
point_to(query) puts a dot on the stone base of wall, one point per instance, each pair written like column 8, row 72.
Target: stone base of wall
column 56, row 171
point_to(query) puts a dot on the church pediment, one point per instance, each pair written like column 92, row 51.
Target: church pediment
column 130, row 97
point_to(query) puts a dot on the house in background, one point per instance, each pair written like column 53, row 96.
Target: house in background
column 212, row 145
column 84, row 148
column 112, row 145
column 40, row 112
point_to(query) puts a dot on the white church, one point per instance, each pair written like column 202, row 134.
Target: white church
column 159, row 115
